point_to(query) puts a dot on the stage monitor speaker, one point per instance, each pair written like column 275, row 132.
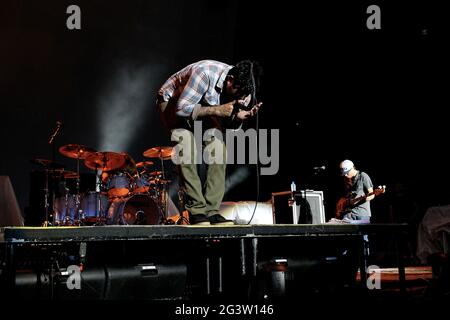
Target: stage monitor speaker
column 42, row 285
column 139, row 282
column 313, row 208
column 146, row 281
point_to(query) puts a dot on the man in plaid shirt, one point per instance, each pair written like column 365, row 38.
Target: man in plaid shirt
column 208, row 91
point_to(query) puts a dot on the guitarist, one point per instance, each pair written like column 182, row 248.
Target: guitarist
column 357, row 185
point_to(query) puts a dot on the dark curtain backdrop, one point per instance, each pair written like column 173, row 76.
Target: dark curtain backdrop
column 334, row 89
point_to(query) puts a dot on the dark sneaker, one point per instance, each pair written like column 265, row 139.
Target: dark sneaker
column 217, row 219
column 198, row 220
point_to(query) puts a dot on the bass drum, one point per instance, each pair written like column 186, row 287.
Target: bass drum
column 139, row 209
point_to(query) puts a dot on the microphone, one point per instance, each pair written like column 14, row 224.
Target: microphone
column 58, row 127
column 319, row 168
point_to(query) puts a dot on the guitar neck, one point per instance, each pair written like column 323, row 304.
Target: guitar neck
column 364, row 197
column 360, row 198
column 346, row 204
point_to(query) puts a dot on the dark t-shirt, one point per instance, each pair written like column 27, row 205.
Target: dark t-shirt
column 358, row 186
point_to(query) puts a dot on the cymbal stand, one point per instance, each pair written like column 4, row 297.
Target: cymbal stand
column 98, row 200
column 181, row 200
column 51, row 142
column 66, row 203
column 46, row 204
column 78, row 208
column 164, row 193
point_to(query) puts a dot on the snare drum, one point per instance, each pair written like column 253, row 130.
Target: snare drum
column 118, row 185
column 94, row 206
column 135, row 210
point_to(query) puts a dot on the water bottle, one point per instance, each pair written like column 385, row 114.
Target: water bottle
column 293, row 186
column 292, row 203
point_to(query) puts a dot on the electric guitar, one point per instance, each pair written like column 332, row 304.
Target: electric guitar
column 344, row 205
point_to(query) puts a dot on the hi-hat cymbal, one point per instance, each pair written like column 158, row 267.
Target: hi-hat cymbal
column 159, row 152
column 76, row 151
column 69, row 175
column 105, row 161
column 61, row 173
column 47, row 163
column 144, row 164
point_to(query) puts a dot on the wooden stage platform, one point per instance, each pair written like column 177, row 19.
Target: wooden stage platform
column 39, row 234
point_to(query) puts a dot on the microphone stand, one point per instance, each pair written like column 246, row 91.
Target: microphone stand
column 51, row 141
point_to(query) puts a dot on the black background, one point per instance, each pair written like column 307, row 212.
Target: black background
column 333, row 88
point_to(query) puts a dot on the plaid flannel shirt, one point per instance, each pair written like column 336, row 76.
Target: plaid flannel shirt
column 197, row 84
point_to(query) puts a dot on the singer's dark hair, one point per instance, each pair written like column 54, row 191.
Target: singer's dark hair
column 246, row 76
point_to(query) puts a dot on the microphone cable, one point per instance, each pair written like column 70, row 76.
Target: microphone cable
column 257, row 144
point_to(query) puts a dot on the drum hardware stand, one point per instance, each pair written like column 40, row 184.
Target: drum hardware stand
column 46, row 190
column 46, row 204
column 160, row 194
column 164, row 203
column 79, row 210
column 98, row 199
column 160, row 187
column 181, row 199
column 66, row 204
column 66, row 207
column 76, row 151
column 164, row 194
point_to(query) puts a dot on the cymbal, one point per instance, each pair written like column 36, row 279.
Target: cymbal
column 144, row 164
column 76, row 151
column 159, row 152
column 155, row 173
column 105, row 161
column 57, row 173
column 47, row 163
column 69, row 175
column 61, row 173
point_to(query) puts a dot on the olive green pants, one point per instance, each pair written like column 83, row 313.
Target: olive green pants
column 201, row 198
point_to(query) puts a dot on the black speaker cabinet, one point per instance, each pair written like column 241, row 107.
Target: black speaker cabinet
column 149, row 281
column 307, row 202
column 146, row 281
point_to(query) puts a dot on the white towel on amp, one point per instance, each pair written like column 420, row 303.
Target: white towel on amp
column 244, row 211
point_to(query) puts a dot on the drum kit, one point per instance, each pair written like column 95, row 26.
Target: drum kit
column 126, row 193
